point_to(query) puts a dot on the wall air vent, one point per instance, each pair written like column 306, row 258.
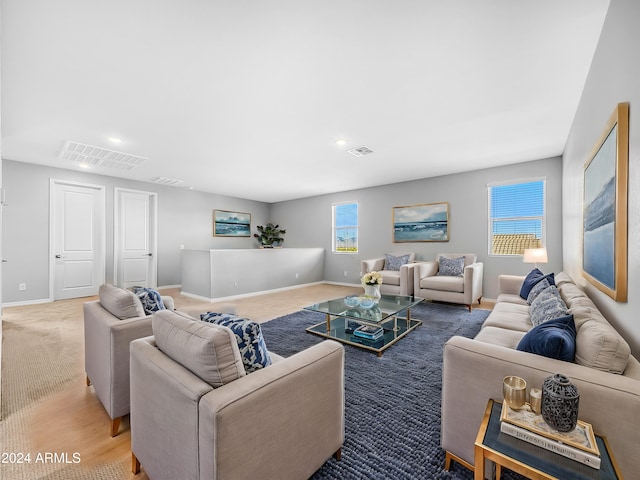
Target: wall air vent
column 167, row 181
column 99, row 157
column 360, row 151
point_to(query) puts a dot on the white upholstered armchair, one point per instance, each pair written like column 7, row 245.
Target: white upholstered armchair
column 396, row 270
column 452, row 277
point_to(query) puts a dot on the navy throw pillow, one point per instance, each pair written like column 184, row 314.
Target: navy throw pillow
column 554, row 339
column 532, row 278
column 251, row 344
column 150, row 298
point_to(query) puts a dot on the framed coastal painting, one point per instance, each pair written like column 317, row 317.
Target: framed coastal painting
column 421, row 223
column 231, row 224
column 604, row 232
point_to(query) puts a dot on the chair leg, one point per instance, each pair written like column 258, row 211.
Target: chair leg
column 88, row 381
column 469, row 306
column 135, row 464
column 338, row 454
column 479, row 300
column 115, row 426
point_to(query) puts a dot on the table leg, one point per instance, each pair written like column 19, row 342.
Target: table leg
column 408, row 318
column 478, row 461
column 328, row 322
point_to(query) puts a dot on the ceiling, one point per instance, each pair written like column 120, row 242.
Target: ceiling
column 246, row 98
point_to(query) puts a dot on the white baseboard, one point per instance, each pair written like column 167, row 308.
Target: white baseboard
column 343, row 284
column 27, row 302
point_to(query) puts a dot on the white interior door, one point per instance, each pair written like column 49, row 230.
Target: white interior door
column 135, row 229
column 77, row 239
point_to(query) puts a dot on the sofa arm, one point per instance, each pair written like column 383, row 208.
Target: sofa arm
column 406, row 279
column 510, row 284
column 168, row 302
column 295, row 406
column 372, row 265
column 473, row 279
column 473, row 373
column 107, row 341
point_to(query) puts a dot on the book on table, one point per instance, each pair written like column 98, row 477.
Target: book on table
column 369, row 332
column 579, row 444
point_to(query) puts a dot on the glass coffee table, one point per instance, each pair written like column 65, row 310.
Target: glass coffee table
column 392, row 314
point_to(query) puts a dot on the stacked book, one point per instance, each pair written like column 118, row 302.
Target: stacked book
column 369, row 332
column 579, row 444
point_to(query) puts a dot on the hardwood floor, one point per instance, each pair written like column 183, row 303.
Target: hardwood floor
column 73, row 419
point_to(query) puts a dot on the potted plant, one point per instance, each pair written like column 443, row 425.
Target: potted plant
column 269, row 235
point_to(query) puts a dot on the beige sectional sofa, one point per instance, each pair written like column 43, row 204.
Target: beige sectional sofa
column 604, row 371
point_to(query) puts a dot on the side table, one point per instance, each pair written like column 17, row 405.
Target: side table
column 530, row 460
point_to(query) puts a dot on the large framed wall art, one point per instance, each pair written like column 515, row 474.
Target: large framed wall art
column 421, row 223
column 231, row 224
column 604, row 233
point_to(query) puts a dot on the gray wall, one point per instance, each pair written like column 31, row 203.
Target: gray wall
column 614, row 77
column 308, row 221
column 184, row 218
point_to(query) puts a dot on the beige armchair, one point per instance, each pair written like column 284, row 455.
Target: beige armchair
column 455, row 281
column 396, row 279
column 196, row 414
column 110, row 324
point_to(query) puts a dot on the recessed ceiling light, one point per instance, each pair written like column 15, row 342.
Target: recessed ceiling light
column 114, row 139
column 341, row 141
column 84, row 165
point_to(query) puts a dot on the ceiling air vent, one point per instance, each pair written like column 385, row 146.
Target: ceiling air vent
column 99, row 157
column 166, row 181
column 360, row 151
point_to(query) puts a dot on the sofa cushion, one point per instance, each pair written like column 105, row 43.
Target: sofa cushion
column 510, row 316
column 500, row 336
column 119, row 302
column 554, row 339
column 599, row 346
column 151, row 300
column 547, row 306
column 453, row 267
column 392, row 262
column 533, row 277
column 209, row 351
column 390, row 277
column 251, row 344
column 445, row 284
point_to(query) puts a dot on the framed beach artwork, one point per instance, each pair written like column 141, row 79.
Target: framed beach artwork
column 421, row 223
column 231, row 224
column 604, row 233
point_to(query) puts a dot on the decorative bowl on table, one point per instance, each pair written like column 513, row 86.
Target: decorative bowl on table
column 352, row 301
column 367, row 302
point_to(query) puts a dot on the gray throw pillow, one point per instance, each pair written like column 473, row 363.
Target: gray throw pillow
column 537, row 289
column 547, row 306
column 451, row 267
column 391, row 262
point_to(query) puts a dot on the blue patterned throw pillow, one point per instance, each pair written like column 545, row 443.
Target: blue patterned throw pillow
column 532, row 279
column 150, row 298
column 451, row 267
column 547, row 306
column 391, row 262
column 537, row 289
column 253, row 348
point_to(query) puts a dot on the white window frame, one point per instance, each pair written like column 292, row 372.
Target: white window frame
column 334, row 228
column 543, row 218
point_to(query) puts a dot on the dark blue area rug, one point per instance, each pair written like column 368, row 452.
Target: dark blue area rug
column 392, row 412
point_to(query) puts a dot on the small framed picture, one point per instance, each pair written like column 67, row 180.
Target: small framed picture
column 231, row 224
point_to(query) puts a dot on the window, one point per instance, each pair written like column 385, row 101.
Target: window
column 345, row 228
column 516, row 217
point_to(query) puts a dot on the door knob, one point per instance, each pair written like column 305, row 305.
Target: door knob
column 58, row 256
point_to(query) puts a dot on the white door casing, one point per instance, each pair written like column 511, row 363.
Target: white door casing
column 77, row 232
column 135, row 238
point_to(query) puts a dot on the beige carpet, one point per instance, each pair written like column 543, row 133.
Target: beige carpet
column 47, row 410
